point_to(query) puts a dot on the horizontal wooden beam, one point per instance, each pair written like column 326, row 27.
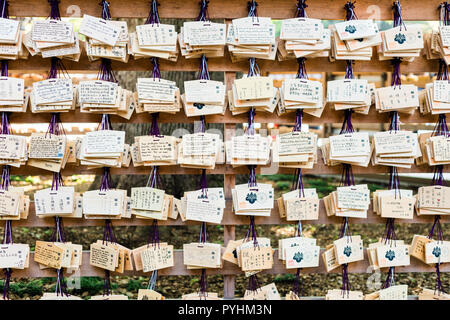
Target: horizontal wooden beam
column 86, row 270
column 323, row 9
column 38, row 64
column 229, row 219
column 329, row 115
column 221, row 169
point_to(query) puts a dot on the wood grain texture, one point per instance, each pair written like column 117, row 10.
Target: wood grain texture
column 229, row 9
column 179, row 268
column 38, row 64
column 277, row 9
column 328, row 116
column 229, row 220
column 319, row 168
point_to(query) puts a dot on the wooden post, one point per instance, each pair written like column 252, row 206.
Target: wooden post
column 229, row 183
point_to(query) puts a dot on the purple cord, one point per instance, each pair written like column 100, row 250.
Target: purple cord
column 347, row 178
column 349, row 70
column 394, row 181
column 203, row 15
column 105, row 72
column 443, row 70
column 396, row 75
column 301, row 73
column 7, row 272
column 105, row 124
column 251, row 122
column 107, row 284
column 298, row 121
column 438, row 176
column 390, row 279
column 253, row 283
column 297, row 183
column 54, row 10
column 204, row 188
column 58, row 234
column 4, row 68
column 345, row 229
column 153, row 15
column 154, row 128
column 394, row 126
column 5, row 181
column 108, row 236
column 153, row 235
column 7, row 235
column 154, row 181
column 156, row 73
column 252, row 9
column 389, row 234
column 53, row 73
column 297, row 285
column 438, row 227
column 5, row 178
column 106, row 15
column 444, row 13
column 350, row 11
column 203, row 284
column 301, row 6
column 5, row 12
column 108, row 233
column 345, row 281
column 439, row 287
column 441, row 128
column 253, row 70
column 398, row 20
column 106, row 179
column 204, row 184
column 252, row 176
column 252, row 232
column 203, row 72
column 6, row 127
column 57, row 68
column 55, row 126
column 347, row 126
column 57, row 181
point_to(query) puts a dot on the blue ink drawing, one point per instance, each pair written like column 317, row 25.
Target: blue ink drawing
column 436, row 251
column 298, row 257
column 400, row 38
column 390, row 255
column 350, row 29
column 251, row 197
column 347, row 251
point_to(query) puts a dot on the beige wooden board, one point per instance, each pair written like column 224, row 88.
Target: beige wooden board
column 228, row 268
column 328, row 116
column 229, row 219
column 323, row 9
column 36, row 63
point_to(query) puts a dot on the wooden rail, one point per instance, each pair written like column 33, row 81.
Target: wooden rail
column 229, row 219
column 230, row 9
column 36, row 64
column 328, row 116
column 228, row 269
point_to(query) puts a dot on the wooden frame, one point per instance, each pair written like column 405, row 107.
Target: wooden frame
column 277, row 9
